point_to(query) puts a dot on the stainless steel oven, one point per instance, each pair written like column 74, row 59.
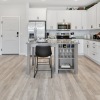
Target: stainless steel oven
column 64, row 26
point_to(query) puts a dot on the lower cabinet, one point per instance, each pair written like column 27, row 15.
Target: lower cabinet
column 80, row 46
column 92, row 50
column 86, row 47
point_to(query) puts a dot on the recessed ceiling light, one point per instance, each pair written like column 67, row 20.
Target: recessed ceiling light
column 75, row 0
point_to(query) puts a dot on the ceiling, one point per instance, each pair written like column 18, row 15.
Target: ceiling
column 50, row 3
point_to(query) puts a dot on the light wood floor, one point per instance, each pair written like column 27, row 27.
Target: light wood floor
column 16, row 85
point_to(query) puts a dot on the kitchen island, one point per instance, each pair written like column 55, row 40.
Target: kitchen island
column 65, row 53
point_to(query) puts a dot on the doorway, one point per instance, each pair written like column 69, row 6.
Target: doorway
column 10, row 35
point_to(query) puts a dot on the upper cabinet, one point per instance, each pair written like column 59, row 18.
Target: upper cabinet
column 79, row 19
column 37, row 14
column 84, row 19
column 63, row 16
column 92, row 17
column 98, row 15
column 51, row 19
column 76, row 19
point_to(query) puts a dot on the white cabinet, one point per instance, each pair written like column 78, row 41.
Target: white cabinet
column 92, row 50
column 84, row 19
column 79, row 19
column 63, row 16
column 76, row 19
column 80, row 46
column 37, row 14
column 92, row 17
column 98, row 52
column 86, row 47
column 98, row 15
column 95, row 54
column 51, row 19
column 89, row 18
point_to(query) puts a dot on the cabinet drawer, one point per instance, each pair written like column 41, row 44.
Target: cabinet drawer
column 94, row 48
column 93, row 55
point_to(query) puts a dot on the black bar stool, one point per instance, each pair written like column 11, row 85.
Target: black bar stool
column 42, row 51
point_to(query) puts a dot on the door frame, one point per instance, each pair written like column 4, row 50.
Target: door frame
column 2, row 31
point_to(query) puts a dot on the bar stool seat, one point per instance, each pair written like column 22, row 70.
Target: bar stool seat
column 44, row 52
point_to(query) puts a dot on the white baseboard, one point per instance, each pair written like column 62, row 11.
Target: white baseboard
column 23, row 54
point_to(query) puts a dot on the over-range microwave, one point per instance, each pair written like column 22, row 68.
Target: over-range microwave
column 64, row 26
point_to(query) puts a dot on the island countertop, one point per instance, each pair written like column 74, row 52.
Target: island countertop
column 55, row 41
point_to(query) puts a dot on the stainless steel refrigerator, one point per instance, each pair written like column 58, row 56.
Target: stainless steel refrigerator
column 38, row 29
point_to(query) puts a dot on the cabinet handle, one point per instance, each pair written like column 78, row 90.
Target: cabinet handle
column 17, row 34
column 82, row 27
column 37, row 17
column 99, row 25
column 91, row 26
column 87, row 46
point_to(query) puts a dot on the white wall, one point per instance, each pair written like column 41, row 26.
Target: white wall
column 16, row 10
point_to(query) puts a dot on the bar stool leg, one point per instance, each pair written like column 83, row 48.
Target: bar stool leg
column 36, row 66
column 51, row 65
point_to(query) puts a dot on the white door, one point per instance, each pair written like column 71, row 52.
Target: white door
column 10, row 35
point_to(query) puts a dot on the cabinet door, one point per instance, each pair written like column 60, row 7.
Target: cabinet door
column 97, row 52
column 89, row 23
column 90, row 50
column 92, row 17
column 86, row 47
column 80, row 46
column 98, row 15
column 37, row 13
column 84, row 19
column 76, row 19
column 51, row 19
column 63, row 16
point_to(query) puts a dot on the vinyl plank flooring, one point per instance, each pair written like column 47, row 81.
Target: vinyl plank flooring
column 16, row 85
